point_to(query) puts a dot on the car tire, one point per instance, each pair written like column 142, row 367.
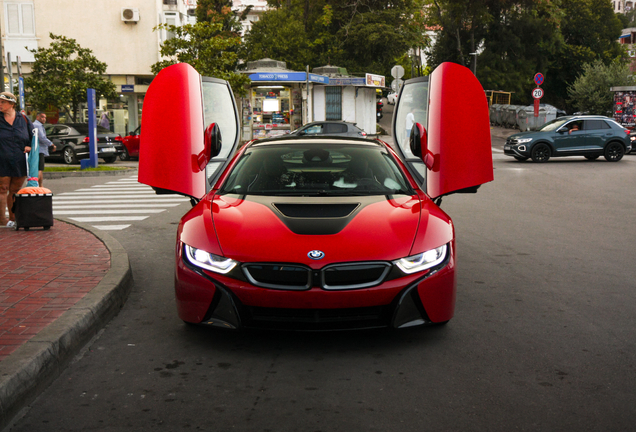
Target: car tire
column 68, row 156
column 541, row 153
column 110, row 159
column 591, row 158
column 521, row 158
column 614, row 152
column 124, row 156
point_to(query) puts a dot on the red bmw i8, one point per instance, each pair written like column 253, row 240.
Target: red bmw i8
column 315, row 233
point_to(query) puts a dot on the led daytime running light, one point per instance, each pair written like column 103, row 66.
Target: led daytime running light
column 423, row 261
column 208, row 261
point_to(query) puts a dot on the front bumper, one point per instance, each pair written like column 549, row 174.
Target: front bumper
column 518, row 150
column 208, row 298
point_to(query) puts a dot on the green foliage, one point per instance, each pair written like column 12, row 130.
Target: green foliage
column 591, row 93
column 62, row 73
column 518, row 38
column 203, row 46
column 359, row 35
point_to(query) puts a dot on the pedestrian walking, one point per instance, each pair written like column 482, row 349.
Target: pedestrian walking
column 44, row 144
column 15, row 140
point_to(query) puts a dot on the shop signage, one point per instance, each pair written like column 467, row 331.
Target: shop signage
column 346, row 81
column 288, row 77
column 375, row 80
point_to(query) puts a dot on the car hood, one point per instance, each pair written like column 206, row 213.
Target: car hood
column 286, row 229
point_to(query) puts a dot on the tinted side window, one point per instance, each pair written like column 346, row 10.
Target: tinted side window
column 315, row 129
column 595, row 125
column 336, row 128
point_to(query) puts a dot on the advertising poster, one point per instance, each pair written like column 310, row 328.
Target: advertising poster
column 624, row 108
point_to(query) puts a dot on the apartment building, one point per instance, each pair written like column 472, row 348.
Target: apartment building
column 119, row 32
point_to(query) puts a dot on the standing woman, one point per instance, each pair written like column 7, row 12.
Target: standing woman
column 15, row 141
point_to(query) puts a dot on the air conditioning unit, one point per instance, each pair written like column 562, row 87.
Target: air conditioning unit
column 130, row 14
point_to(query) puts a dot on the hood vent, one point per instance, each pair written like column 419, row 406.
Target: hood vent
column 316, row 210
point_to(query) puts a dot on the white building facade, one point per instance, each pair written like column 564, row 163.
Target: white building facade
column 119, row 32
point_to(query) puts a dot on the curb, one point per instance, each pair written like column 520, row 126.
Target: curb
column 35, row 365
column 63, row 174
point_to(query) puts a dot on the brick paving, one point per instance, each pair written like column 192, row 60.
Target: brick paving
column 43, row 274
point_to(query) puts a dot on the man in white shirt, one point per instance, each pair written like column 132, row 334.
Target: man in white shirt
column 43, row 143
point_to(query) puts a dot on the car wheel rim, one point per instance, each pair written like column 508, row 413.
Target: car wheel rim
column 614, row 152
column 68, row 156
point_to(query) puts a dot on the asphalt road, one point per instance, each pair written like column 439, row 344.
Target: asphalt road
column 543, row 337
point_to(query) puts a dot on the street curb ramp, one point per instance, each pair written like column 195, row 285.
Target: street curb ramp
column 29, row 370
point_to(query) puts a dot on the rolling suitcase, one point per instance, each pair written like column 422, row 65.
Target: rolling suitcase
column 33, row 210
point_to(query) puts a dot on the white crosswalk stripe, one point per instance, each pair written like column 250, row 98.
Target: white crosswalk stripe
column 106, row 206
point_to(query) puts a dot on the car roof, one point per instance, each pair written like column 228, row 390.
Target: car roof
column 330, row 121
column 585, row 117
column 323, row 139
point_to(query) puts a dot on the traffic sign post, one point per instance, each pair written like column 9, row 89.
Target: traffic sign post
column 538, row 78
column 537, row 94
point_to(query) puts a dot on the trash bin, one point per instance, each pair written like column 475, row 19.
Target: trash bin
column 527, row 120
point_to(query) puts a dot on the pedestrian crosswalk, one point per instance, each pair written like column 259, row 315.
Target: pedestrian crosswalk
column 114, row 205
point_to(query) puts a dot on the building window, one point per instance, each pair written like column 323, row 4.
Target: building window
column 171, row 19
column 333, row 102
column 20, row 20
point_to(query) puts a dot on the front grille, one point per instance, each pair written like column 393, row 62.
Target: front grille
column 332, row 277
column 352, row 276
column 279, row 276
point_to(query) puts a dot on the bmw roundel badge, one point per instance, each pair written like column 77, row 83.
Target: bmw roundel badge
column 316, row 254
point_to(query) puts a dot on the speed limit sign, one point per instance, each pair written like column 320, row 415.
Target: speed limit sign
column 537, row 93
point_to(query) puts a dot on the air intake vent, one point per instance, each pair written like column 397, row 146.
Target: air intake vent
column 316, row 210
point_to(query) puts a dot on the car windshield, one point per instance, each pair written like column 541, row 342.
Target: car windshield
column 553, row 125
column 316, row 169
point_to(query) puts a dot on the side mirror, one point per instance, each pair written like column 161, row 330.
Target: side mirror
column 419, row 145
column 211, row 145
column 562, row 130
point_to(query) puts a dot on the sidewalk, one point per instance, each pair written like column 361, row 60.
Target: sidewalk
column 57, row 289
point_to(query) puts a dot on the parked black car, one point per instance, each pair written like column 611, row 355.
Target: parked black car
column 71, row 142
column 338, row 128
column 587, row 135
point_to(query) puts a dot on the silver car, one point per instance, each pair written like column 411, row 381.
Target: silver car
column 333, row 128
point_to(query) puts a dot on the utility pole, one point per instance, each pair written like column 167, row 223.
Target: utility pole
column 1, row 67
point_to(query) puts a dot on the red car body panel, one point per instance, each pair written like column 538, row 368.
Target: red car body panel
column 132, row 144
column 262, row 232
column 461, row 147
column 173, row 119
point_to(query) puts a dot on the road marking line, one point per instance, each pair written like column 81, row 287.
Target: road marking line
column 111, row 227
column 87, row 206
column 126, row 211
column 109, row 219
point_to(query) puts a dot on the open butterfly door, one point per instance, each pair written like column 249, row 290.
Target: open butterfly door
column 449, row 111
column 189, row 131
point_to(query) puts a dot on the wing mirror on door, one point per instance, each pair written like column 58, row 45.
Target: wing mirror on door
column 419, row 145
column 212, row 145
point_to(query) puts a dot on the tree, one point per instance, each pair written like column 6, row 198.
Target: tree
column 359, row 35
column 591, row 93
column 590, row 31
column 211, row 45
column 62, row 73
column 209, row 52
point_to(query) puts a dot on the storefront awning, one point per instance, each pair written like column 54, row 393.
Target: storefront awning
column 625, row 36
column 288, row 77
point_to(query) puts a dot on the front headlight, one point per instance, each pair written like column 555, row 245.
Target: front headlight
column 208, row 261
column 523, row 140
column 423, row 261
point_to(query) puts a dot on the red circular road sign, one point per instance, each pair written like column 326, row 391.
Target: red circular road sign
column 537, row 93
column 538, row 78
